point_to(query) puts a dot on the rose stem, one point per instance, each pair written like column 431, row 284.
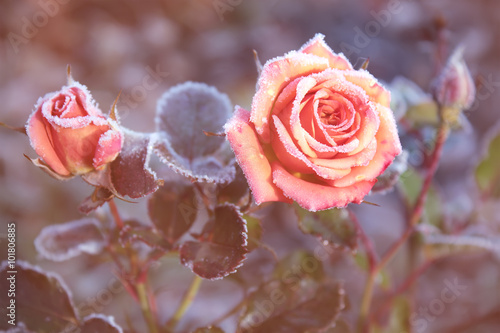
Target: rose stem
column 367, row 243
column 114, row 212
column 441, row 136
column 145, row 307
column 185, row 303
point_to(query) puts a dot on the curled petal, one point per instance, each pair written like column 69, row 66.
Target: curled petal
column 317, row 46
column 388, row 147
column 276, row 74
column 315, row 196
column 108, row 147
column 251, row 157
column 375, row 91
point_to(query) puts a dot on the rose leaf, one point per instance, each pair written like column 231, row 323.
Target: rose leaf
column 42, row 300
column 61, row 242
column 332, row 226
column 223, row 246
column 308, row 307
column 172, row 210
column 184, row 114
column 130, row 174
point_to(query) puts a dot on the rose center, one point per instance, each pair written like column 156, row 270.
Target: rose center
column 330, row 112
column 60, row 105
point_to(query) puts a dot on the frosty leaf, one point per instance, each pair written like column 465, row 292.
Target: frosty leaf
column 387, row 180
column 333, row 226
column 211, row 329
column 310, row 307
column 172, row 210
column 134, row 231
column 235, row 190
column 223, row 246
column 188, row 109
column 42, row 300
column 99, row 323
column 130, row 174
column 410, row 184
column 488, row 171
column 438, row 245
column 100, row 196
column 202, row 169
column 61, row 242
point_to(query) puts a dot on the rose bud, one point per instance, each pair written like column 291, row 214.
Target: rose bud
column 70, row 133
column 319, row 132
column 454, row 87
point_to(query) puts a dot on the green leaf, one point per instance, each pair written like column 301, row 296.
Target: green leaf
column 410, row 185
column 487, row 172
column 298, row 266
column 254, row 226
column 423, row 114
column 399, row 321
column 332, row 226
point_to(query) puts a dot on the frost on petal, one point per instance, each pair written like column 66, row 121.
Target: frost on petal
column 40, row 140
column 315, row 196
column 185, row 111
column 43, row 301
column 376, row 92
column 276, row 74
column 130, row 172
column 108, row 147
column 251, row 157
column 388, row 147
column 317, row 46
column 61, row 242
column 224, row 247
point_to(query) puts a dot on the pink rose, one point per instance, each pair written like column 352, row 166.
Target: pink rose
column 71, row 134
column 319, row 131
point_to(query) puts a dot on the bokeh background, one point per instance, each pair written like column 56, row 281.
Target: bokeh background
column 113, row 46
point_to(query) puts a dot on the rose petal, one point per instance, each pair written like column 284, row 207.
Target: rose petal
column 40, row 140
column 251, row 157
column 108, row 147
column 362, row 158
column 376, row 92
column 294, row 159
column 275, row 76
column 313, row 196
column 388, row 147
column 317, row 46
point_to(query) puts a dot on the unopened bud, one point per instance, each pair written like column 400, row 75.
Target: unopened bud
column 454, row 87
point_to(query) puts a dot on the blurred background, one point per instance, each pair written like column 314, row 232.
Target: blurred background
column 115, row 46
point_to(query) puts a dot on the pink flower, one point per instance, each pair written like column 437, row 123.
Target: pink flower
column 319, row 132
column 70, row 133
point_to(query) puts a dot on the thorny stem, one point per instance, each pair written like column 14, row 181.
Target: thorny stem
column 441, row 136
column 145, row 307
column 185, row 303
column 116, row 215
